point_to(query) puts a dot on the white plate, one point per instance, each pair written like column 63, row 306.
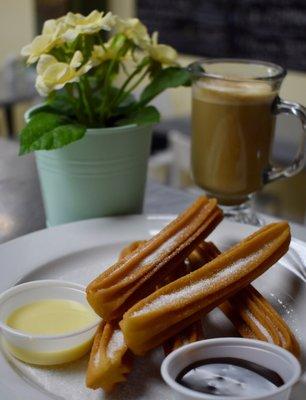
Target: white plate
column 78, row 252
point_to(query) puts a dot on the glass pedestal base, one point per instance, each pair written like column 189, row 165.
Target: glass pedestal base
column 243, row 213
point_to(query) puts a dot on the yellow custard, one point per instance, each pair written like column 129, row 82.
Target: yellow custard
column 46, row 318
column 51, row 317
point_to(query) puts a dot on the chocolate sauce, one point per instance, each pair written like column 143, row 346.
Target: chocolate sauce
column 229, row 377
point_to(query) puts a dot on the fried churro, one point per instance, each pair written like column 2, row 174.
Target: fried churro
column 193, row 332
column 130, row 248
column 250, row 313
column 107, row 367
column 254, row 317
column 109, row 361
column 138, row 274
column 175, row 306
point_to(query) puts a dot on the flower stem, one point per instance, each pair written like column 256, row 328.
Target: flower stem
column 124, row 69
column 84, row 97
column 129, row 79
column 133, row 87
column 141, row 78
column 121, row 92
column 69, row 91
column 107, row 83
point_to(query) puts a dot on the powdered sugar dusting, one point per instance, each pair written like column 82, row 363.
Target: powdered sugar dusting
column 97, row 358
column 208, row 284
column 115, row 343
column 263, row 330
column 282, row 338
column 163, row 248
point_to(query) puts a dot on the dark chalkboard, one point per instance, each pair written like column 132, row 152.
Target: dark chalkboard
column 272, row 30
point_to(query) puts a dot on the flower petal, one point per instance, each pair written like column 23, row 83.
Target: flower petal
column 44, row 62
column 134, row 30
column 49, row 27
column 77, row 59
column 40, row 45
column 41, row 87
column 108, row 21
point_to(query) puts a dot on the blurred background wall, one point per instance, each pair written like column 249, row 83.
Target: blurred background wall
column 16, row 26
column 274, row 30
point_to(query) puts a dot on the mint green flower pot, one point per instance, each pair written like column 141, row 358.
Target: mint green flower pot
column 102, row 174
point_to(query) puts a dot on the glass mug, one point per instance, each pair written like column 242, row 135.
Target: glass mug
column 234, row 107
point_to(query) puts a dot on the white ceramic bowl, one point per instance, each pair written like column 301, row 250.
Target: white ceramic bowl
column 43, row 349
column 265, row 354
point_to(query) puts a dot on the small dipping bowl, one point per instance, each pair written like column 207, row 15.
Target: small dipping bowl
column 264, row 354
column 44, row 349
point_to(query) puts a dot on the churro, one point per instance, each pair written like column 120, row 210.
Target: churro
column 250, row 313
column 130, row 248
column 107, row 367
column 175, row 306
column 255, row 318
column 109, row 361
column 202, row 254
column 193, row 332
column 137, row 275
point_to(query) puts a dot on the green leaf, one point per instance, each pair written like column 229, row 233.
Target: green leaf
column 170, row 77
column 44, row 108
column 59, row 137
column 144, row 115
column 60, row 102
column 47, row 131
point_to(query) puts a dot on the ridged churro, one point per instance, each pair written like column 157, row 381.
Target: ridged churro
column 106, row 367
column 138, row 274
column 175, row 306
column 193, row 332
column 109, row 361
column 255, row 318
column 130, row 248
column 202, row 254
column 250, row 313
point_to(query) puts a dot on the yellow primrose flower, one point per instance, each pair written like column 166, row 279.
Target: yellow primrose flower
column 160, row 52
column 51, row 36
column 53, row 75
column 54, row 27
column 40, row 45
column 134, row 30
column 109, row 51
column 92, row 23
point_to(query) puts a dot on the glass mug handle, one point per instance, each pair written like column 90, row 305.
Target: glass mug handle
column 287, row 107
